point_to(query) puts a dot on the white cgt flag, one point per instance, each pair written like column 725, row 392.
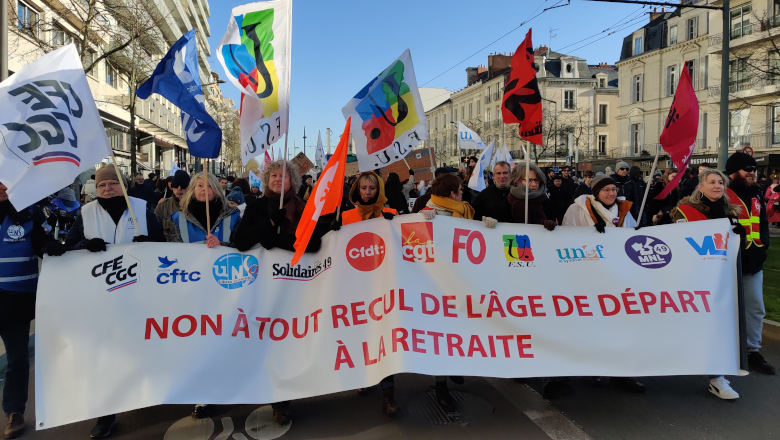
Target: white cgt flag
column 468, row 139
column 50, row 128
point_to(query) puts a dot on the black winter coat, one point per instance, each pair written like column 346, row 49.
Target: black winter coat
column 492, row 202
column 753, row 258
column 256, row 227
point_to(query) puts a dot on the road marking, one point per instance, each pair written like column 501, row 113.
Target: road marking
column 544, row 415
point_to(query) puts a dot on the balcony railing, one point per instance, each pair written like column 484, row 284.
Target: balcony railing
column 754, row 141
column 743, row 31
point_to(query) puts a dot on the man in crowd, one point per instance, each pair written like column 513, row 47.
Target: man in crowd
column 743, row 191
column 305, row 187
column 166, row 207
column 492, row 201
column 151, row 180
column 223, row 182
column 472, row 161
column 567, row 182
column 584, row 185
column 639, row 184
column 693, row 182
column 625, row 186
column 143, row 190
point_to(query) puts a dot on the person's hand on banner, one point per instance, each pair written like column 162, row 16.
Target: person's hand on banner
column 277, row 218
column 388, row 215
column 141, row 239
column 600, row 227
column 96, row 245
column 429, row 214
column 54, row 248
column 549, row 225
column 490, row 222
column 211, row 241
column 335, row 225
column 736, row 227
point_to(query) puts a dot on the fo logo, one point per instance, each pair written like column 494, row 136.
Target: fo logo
column 366, row 251
column 712, row 247
column 233, row 271
column 648, row 251
column 417, row 242
column 120, row 272
column 517, row 251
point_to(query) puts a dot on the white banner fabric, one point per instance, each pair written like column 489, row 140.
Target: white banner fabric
column 154, row 323
column 468, row 139
column 50, row 128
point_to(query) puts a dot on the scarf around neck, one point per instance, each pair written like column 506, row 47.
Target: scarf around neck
column 519, row 192
column 198, row 210
column 609, row 215
column 114, row 206
column 458, row 209
column 717, row 208
column 293, row 207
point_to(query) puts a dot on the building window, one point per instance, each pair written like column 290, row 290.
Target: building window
column 479, row 107
column 776, row 125
column 602, row 82
column 488, row 115
column 738, row 75
column 602, row 114
column 776, row 8
column 28, row 19
column 568, row 100
column 638, row 46
column 636, row 138
column 471, row 113
column 671, row 80
column 636, row 88
column 569, row 68
column 89, row 59
column 774, row 67
column 60, row 38
column 673, row 35
column 111, row 75
column 436, row 123
column 740, row 21
column 463, row 113
column 692, row 28
column 602, row 144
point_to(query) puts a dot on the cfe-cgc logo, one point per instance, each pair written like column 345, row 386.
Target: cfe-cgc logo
column 119, row 272
column 649, row 252
column 713, row 247
column 517, row 251
column 366, row 251
column 417, row 242
column 166, row 275
column 582, row 253
column 234, row 271
column 299, row 272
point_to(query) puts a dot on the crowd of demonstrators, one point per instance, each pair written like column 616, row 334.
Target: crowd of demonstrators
column 567, row 182
column 168, row 206
column 190, row 225
column 306, row 187
column 394, row 191
column 626, row 186
column 640, row 186
column 447, row 199
column 559, row 199
column 537, row 196
column 689, row 186
column 658, row 210
column 144, row 190
column 584, row 186
column 492, row 201
column 408, row 187
column 423, row 199
column 602, row 208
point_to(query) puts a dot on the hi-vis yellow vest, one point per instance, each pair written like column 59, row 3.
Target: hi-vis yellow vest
column 750, row 219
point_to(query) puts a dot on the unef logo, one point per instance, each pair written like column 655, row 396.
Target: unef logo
column 468, row 240
column 120, row 272
column 233, row 271
column 582, row 253
column 517, row 251
column 366, row 251
column 417, row 241
column 713, row 247
column 648, row 252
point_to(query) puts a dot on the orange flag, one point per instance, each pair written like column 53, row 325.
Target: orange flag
column 327, row 195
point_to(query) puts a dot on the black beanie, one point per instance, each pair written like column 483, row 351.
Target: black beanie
column 600, row 181
column 737, row 161
column 180, row 179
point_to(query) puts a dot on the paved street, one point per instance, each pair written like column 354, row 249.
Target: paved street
column 673, row 408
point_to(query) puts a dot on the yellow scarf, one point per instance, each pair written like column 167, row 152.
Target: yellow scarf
column 374, row 210
column 458, row 209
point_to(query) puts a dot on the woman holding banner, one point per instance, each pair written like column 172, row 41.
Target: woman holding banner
column 536, row 196
column 188, row 223
column 447, row 199
column 368, row 196
column 710, row 201
column 601, row 209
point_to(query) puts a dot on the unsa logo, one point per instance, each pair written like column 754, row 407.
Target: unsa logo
column 649, row 252
column 366, row 251
column 233, row 271
column 417, row 242
column 15, row 232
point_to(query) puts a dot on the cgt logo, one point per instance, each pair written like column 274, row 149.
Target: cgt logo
column 517, row 251
column 465, row 239
column 580, row 254
column 120, row 272
column 233, row 271
column 713, row 247
column 366, row 251
column 417, row 242
column 649, row 252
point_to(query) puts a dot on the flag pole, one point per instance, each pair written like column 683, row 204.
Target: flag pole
column 647, row 189
column 284, row 169
column 208, row 216
column 527, row 181
column 124, row 193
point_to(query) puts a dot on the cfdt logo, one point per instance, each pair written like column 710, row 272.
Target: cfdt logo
column 299, row 272
column 417, row 242
column 517, row 251
column 366, row 251
column 167, row 275
column 583, row 253
column 233, row 271
column 649, row 252
column 120, row 272
column 713, row 247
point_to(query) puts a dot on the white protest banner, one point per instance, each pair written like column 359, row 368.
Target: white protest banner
column 50, row 128
column 255, row 53
column 388, row 119
column 468, row 139
column 158, row 323
column 411, row 203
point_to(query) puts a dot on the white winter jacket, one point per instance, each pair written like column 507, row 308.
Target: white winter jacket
column 578, row 214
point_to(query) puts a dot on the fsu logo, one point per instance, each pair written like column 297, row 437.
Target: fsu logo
column 517, row 251
column 417, row 242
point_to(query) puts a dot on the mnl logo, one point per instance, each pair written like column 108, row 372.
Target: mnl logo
column 300, row 273
column 120, row 272
column 648, row 252
column 578, row 254
column 366, row 251
column 517, row 251
column 233, row 271
column 173, row 276
column 713, row 247
column 417, row 242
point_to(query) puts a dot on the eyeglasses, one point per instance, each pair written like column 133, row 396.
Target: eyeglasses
column 624, row 169
column 108, row 185
column 610, row 190
column 749, row 169
column 534, row 180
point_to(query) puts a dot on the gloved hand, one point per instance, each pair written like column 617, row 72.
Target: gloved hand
column 96, row 245
column 736, row 227
column 549, row 225
column 600, row 227
column 411, row 172
column 388, row 215
column 54, row 248
column 490, row 222
column 335, row 225
column 278, row 217
column 141, row 239
column 429, row 214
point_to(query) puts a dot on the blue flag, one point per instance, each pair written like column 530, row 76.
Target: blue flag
column 178, row 80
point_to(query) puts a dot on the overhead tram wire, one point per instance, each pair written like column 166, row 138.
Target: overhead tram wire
column 627, row 25
column 619, row 23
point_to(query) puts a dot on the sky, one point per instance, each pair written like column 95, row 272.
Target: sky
column 339, row 45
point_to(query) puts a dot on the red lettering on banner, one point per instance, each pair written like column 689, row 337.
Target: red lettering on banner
column 263, row 321
column 446, row 306
column 416, row 341
column 381, row 348
column 523, row 311
column 356, row 314
column 424, row 299
column 534, row 306
column 686, row 299
column 205, row 321
column 371, row 313
column 401, row 303
column 505, row 339
column 402, row 339
column 521, row 347
column 494, row 305
column 457, row 244
column 366, row 358
column 628, row 303
column 241, row 325
column 316, row 323
column 492, row 346
column 339, row 312
column 569, row 306
column 436, row 336
column 668, row 302
column 452, row 344
column 285, row 329
column 647, row 299
column 476, row 345
column 615, row 303
column 468, row 246
column 162, row 333
column 581, row 305
column 191, row 330
column 392, row 302
column 469, row 311
column 296, row 334
column 343, row 357
column 703, row 294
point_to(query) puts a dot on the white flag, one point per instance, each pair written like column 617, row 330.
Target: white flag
column 255, row 53
column 477, row 181
column 51, row 129
column 504, row 155
column 468, row 139
column 254, row 180
column 319, row 156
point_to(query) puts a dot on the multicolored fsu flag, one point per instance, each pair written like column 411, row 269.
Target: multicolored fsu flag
column 327, row 195
column 389, row 116
column 522, row 102
column 682, row 124
column 255, row 53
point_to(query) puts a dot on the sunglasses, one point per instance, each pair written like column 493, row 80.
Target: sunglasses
column 750, row 169
column 624, row 169
column 179, row 186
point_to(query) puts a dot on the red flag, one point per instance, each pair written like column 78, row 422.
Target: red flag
column 522, row 101
column 682, row 124
column 326, row 197
column 267, row 158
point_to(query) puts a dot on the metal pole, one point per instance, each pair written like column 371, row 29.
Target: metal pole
column 304, row 141
column 4, row 41
column 647, row 189
column 723, row 148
